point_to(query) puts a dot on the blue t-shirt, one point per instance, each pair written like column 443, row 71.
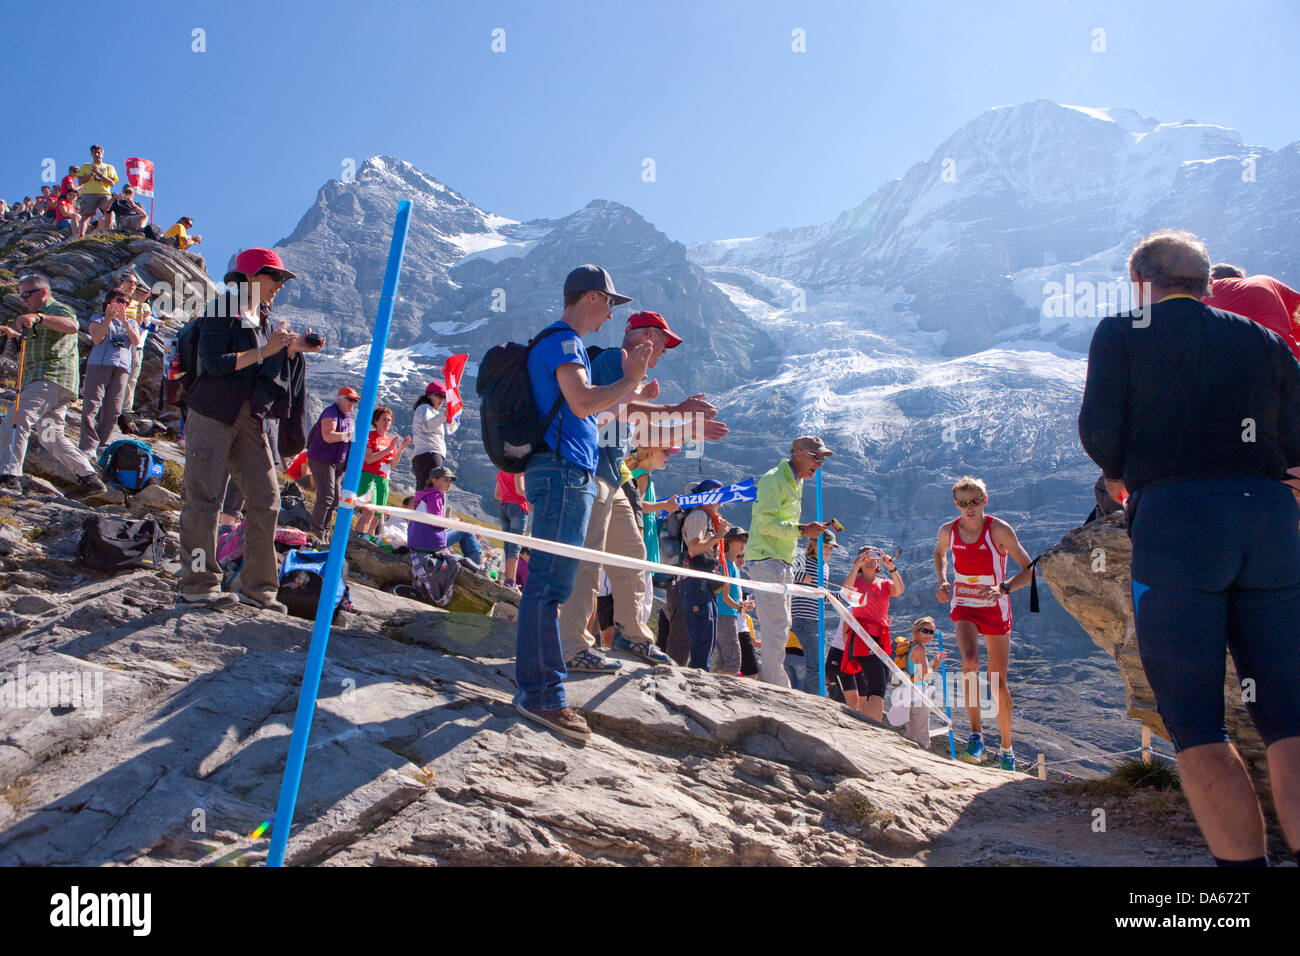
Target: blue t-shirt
column 733, row 591
column 575, row 436
column 607, row 369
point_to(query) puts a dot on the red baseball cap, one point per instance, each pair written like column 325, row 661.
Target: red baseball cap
column 348, row 392
column 249, row 262
column 435, row 388
column 652, row 320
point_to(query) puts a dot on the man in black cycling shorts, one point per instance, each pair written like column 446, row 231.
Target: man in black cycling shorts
column 1195, row 413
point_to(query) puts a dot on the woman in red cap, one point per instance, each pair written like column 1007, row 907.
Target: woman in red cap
column 429, row 432
column 327, row 456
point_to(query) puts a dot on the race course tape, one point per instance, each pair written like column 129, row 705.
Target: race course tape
column 578, row 553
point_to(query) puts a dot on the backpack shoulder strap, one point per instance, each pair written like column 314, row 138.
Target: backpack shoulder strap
column 559, row 400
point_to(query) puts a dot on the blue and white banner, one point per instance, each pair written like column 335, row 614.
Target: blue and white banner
column 740, row 491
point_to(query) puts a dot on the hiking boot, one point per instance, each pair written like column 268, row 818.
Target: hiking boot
column 591, row 663
column 11, row 484
column 974, row 749
column 646, row 650
column 212, row 599
column 1007, row 760
column 87, row 487
column 271, row 605
column 562, row 720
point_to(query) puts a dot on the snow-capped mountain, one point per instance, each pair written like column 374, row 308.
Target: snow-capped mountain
column 933, row 330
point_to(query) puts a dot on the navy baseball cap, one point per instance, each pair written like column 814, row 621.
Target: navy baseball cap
column 708, row 484
column 589, row 278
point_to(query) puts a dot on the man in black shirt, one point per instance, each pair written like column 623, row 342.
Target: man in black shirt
column 239, row 357
column 1195, row 413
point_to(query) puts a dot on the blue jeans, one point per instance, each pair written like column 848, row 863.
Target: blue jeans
column 561, row 495
column 468, row 545
column 515, row 520
column 806, row 630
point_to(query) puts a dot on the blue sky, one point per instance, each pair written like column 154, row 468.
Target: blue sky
column 746, row 134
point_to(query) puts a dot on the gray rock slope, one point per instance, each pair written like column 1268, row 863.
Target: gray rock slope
column 417, row 756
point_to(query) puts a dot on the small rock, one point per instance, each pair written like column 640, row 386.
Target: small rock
column 155, row 498
column 31, row 604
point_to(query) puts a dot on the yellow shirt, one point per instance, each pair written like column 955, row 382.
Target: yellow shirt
column 177, row 232
column 92, row 186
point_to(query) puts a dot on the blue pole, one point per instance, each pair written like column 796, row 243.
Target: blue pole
column 943, row 676
column 821, row 602
column 320, row 635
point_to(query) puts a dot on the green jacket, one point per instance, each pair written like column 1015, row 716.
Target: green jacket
column 774, row 524
column 51, row 355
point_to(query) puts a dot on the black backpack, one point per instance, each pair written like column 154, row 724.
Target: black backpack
column 670, row 538
column 112, row 544
column 181, row 363
column 301, row 581
column 513, row 428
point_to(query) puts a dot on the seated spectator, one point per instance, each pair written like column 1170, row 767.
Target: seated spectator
column 27, row 210
column 66, row 216
column 428, row 543
column 69, row 182
column 299, row 477
column 470, row 546
column 45, row 203
column 178, row 235
column 131, row 216
column 96, row 178
column 113, row 337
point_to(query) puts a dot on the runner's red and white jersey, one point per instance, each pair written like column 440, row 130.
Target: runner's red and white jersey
column 975, row 566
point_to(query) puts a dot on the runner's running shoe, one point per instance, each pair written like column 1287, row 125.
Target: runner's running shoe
column 1007, row 760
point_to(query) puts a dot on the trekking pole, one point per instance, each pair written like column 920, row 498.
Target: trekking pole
column 943, row 676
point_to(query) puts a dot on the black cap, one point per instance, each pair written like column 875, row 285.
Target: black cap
column 442, row 472
column 591, row 278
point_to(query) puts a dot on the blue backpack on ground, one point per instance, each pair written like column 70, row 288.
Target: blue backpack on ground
column 302, row 579
column 130, row 464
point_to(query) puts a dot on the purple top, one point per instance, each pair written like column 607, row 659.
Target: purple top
column 335, row 453
column 426, row 537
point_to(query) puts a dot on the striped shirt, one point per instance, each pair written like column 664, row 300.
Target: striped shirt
column 805, row 607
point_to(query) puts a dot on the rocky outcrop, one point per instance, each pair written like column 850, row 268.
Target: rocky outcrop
column 150, row 735
column 1088, row 572
column 80, row 272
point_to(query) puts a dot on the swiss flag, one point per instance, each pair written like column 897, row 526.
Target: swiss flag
column 452, row 371
column 139, row 172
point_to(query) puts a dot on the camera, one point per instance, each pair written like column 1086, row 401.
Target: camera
column 313, row 339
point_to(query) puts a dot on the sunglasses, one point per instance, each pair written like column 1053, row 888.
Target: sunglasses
column 276, row 275
column 926, row 630
column 971, row 503
column 815, row 457
column 29, row 293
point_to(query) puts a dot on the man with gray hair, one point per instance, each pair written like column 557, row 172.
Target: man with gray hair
column 1193, row 415
column 774, row 533
column 48, row 382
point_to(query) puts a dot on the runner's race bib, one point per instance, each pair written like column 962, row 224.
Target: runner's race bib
column 966, row 590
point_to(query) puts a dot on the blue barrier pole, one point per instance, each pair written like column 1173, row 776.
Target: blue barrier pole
column 821, row 602
column 943, row 676
column 320, row 635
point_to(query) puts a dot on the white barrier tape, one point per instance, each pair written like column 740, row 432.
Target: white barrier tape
column 635, row 564
column 889, row 661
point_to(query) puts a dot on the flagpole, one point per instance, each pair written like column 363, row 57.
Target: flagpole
column 338, row 545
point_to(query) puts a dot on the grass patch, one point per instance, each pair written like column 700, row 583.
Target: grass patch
column 7, row 501
column 1132, row 775
column 16, row 793
column 5, row 519
column 35, row 533
column 173, row 477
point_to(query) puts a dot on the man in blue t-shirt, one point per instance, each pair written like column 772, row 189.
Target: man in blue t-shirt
column 560, row 485
column 613, row 526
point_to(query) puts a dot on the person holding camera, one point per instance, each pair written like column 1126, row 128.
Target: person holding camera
column 114, row 338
